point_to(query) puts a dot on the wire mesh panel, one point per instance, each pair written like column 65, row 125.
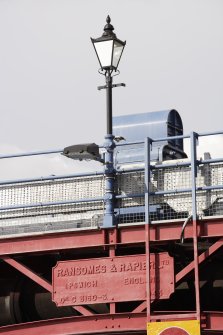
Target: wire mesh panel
column 55, row 205
column 211, row 200
column 39, row 217
column 51, row 191
column 131, row 186
column 170, row 190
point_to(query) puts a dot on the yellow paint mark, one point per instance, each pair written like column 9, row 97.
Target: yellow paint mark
column 192, row 327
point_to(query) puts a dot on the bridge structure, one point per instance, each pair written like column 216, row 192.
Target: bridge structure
column 158, row 269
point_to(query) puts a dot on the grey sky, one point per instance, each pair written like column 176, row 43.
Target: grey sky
column 48, row 68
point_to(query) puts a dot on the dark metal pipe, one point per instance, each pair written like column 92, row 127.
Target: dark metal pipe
column 109, row 218
column 48, row 178
column 109, row 102
column 56, row 203
column 109, row 131
column 32, row 153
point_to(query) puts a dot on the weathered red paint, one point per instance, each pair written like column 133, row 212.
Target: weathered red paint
column 112, row 279
column 214, row 320
column 103, row 324
column 98, row 238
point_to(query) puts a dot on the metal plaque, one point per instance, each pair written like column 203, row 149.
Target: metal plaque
column 111, row 279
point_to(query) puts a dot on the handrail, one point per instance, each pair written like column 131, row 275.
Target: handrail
column 191, row 162
column 55, row 151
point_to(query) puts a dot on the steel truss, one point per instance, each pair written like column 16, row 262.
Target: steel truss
column 112, row 240
column 111, row 243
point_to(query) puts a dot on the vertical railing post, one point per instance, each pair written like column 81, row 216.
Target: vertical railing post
column 148, row 143
column 193, row 139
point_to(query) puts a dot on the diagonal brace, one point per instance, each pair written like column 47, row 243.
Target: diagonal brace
column 39, row 280
column 27, row 272
column 187, row 269
column 180, row 275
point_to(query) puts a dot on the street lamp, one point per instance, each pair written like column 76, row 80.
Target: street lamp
column 109, row 50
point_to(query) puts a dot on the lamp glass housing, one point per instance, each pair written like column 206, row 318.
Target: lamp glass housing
column 117, row 53
column 104, row 52
column 109, row 52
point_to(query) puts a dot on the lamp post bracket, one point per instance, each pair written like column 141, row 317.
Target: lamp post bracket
column 114, row 85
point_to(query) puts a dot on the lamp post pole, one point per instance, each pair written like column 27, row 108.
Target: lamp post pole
column 109, row 51
column 109, row 217
column 109, row 102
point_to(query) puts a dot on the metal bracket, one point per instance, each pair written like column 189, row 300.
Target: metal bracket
column 114, row 85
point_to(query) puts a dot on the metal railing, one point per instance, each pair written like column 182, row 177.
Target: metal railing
column 163, row 191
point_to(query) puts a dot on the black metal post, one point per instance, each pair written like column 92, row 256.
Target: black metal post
column 109, row 102
column 109, row 218
column 107, row 66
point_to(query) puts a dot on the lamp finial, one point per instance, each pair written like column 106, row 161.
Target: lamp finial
column 108, row 28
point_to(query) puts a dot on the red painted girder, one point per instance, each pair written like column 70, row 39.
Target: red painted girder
column 173, row 317
column 120, row 323
column 211, row 332
column 196, row 269
column 96, row 238
column 214, row 320
column 51, row 242
column 104, row 324
column 168, row 231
